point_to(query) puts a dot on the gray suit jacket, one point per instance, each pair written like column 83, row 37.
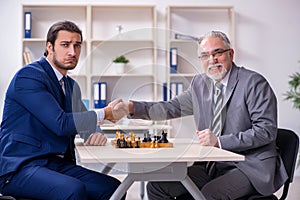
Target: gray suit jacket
column 250, row 126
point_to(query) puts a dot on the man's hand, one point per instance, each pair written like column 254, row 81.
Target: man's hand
column 207, row 138
column 116, row 110
column 96, row 139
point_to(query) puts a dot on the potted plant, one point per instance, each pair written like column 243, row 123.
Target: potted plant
column 120, row 63
column 294, row 95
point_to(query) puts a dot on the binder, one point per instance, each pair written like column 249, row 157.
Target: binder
column 176, row 88
column 100, row 94
column 165, row 92
column 173, row 89
column 179, row 88
column 173, row 59
column 27, row 24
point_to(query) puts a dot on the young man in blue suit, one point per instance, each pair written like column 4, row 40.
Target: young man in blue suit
column 41, row 117
column 247, row 125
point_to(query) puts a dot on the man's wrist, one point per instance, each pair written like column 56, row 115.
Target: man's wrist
column 108, row 113
column 130, row 107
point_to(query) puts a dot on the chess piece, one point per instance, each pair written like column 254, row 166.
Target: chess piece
column 133, row 144
column 138, row 142
column 164, row 138
column 122, row 141
column 152, row 144
column 127, row 143
column 147, row 137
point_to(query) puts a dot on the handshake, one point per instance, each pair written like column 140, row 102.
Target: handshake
column 117, row 109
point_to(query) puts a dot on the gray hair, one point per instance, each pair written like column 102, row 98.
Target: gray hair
column 218, row 34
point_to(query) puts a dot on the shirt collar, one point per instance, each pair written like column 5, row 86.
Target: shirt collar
column 59, row 76
column 224, row 81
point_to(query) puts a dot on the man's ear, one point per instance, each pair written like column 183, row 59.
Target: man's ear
column 49, row 47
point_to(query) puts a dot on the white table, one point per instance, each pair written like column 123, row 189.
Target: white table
column 154, row 164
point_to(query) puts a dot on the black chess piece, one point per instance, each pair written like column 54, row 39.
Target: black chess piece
column 147, row 137
column 164, row 139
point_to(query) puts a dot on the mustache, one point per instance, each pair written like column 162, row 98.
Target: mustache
column 212, row 66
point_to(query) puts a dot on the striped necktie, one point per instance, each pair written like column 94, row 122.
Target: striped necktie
column 216, row 125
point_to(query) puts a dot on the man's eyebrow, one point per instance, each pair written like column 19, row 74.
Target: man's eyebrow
column 216, row 50
column 66, row 41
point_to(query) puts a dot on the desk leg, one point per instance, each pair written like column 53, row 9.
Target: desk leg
column 192, row 188
column 121, row 190
column 142, row 189
column 107, row 168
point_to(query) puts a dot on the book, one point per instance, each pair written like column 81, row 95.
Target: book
column 100, row 94
column 179, row 36
column 27, row 57
column 173, row 59
column 27, row 25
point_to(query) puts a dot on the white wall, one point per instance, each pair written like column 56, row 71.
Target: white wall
column 267, row 40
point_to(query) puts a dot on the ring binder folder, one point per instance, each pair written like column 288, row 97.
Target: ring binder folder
column 173, row 60
column 27, row 24
column 100, row 94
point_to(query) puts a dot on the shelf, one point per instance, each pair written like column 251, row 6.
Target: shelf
column 135, row 22
column 102, row 42
column 191, row 22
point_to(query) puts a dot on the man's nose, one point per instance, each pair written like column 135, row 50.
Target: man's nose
column 71, row 50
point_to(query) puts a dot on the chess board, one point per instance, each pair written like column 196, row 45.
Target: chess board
column 131, row 141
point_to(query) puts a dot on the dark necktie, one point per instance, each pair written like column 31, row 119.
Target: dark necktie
column 66, row 86
column 67, row 91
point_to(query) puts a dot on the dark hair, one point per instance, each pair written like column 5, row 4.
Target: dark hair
column 59, row 26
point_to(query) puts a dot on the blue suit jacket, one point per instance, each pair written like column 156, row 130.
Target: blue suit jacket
column 36, row 123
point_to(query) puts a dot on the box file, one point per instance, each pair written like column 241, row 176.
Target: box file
column 176, row 88
column 27, row 24
column 173, row 59
column 100, row 94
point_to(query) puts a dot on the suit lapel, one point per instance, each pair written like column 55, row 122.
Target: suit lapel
column 232, row 82
column 52, row 77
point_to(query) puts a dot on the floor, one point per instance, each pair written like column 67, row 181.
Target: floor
column 134, row 191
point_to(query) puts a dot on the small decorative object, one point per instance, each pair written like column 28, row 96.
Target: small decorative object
column 119, row 28
column 120, row 63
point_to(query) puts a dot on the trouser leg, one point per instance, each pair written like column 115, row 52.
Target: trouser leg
column 169, row 190
column 229, row 183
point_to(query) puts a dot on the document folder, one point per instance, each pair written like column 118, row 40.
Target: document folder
column 100, row 94
column 27, row 24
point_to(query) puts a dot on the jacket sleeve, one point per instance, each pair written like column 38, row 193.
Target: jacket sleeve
column 34, row 91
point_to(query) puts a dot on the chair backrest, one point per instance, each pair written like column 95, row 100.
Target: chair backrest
column 288, row 143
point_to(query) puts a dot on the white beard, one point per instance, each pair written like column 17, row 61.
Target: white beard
column 218, row 75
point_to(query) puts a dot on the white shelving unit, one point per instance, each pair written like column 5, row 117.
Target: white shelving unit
column 108, row 32
column 111, row 31
column 192, row 21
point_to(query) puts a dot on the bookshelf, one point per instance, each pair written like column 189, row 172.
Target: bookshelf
column 108, row 32
column 192, row 22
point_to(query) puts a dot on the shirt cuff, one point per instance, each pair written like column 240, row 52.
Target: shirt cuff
column 220, row 146
column 100, row 115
